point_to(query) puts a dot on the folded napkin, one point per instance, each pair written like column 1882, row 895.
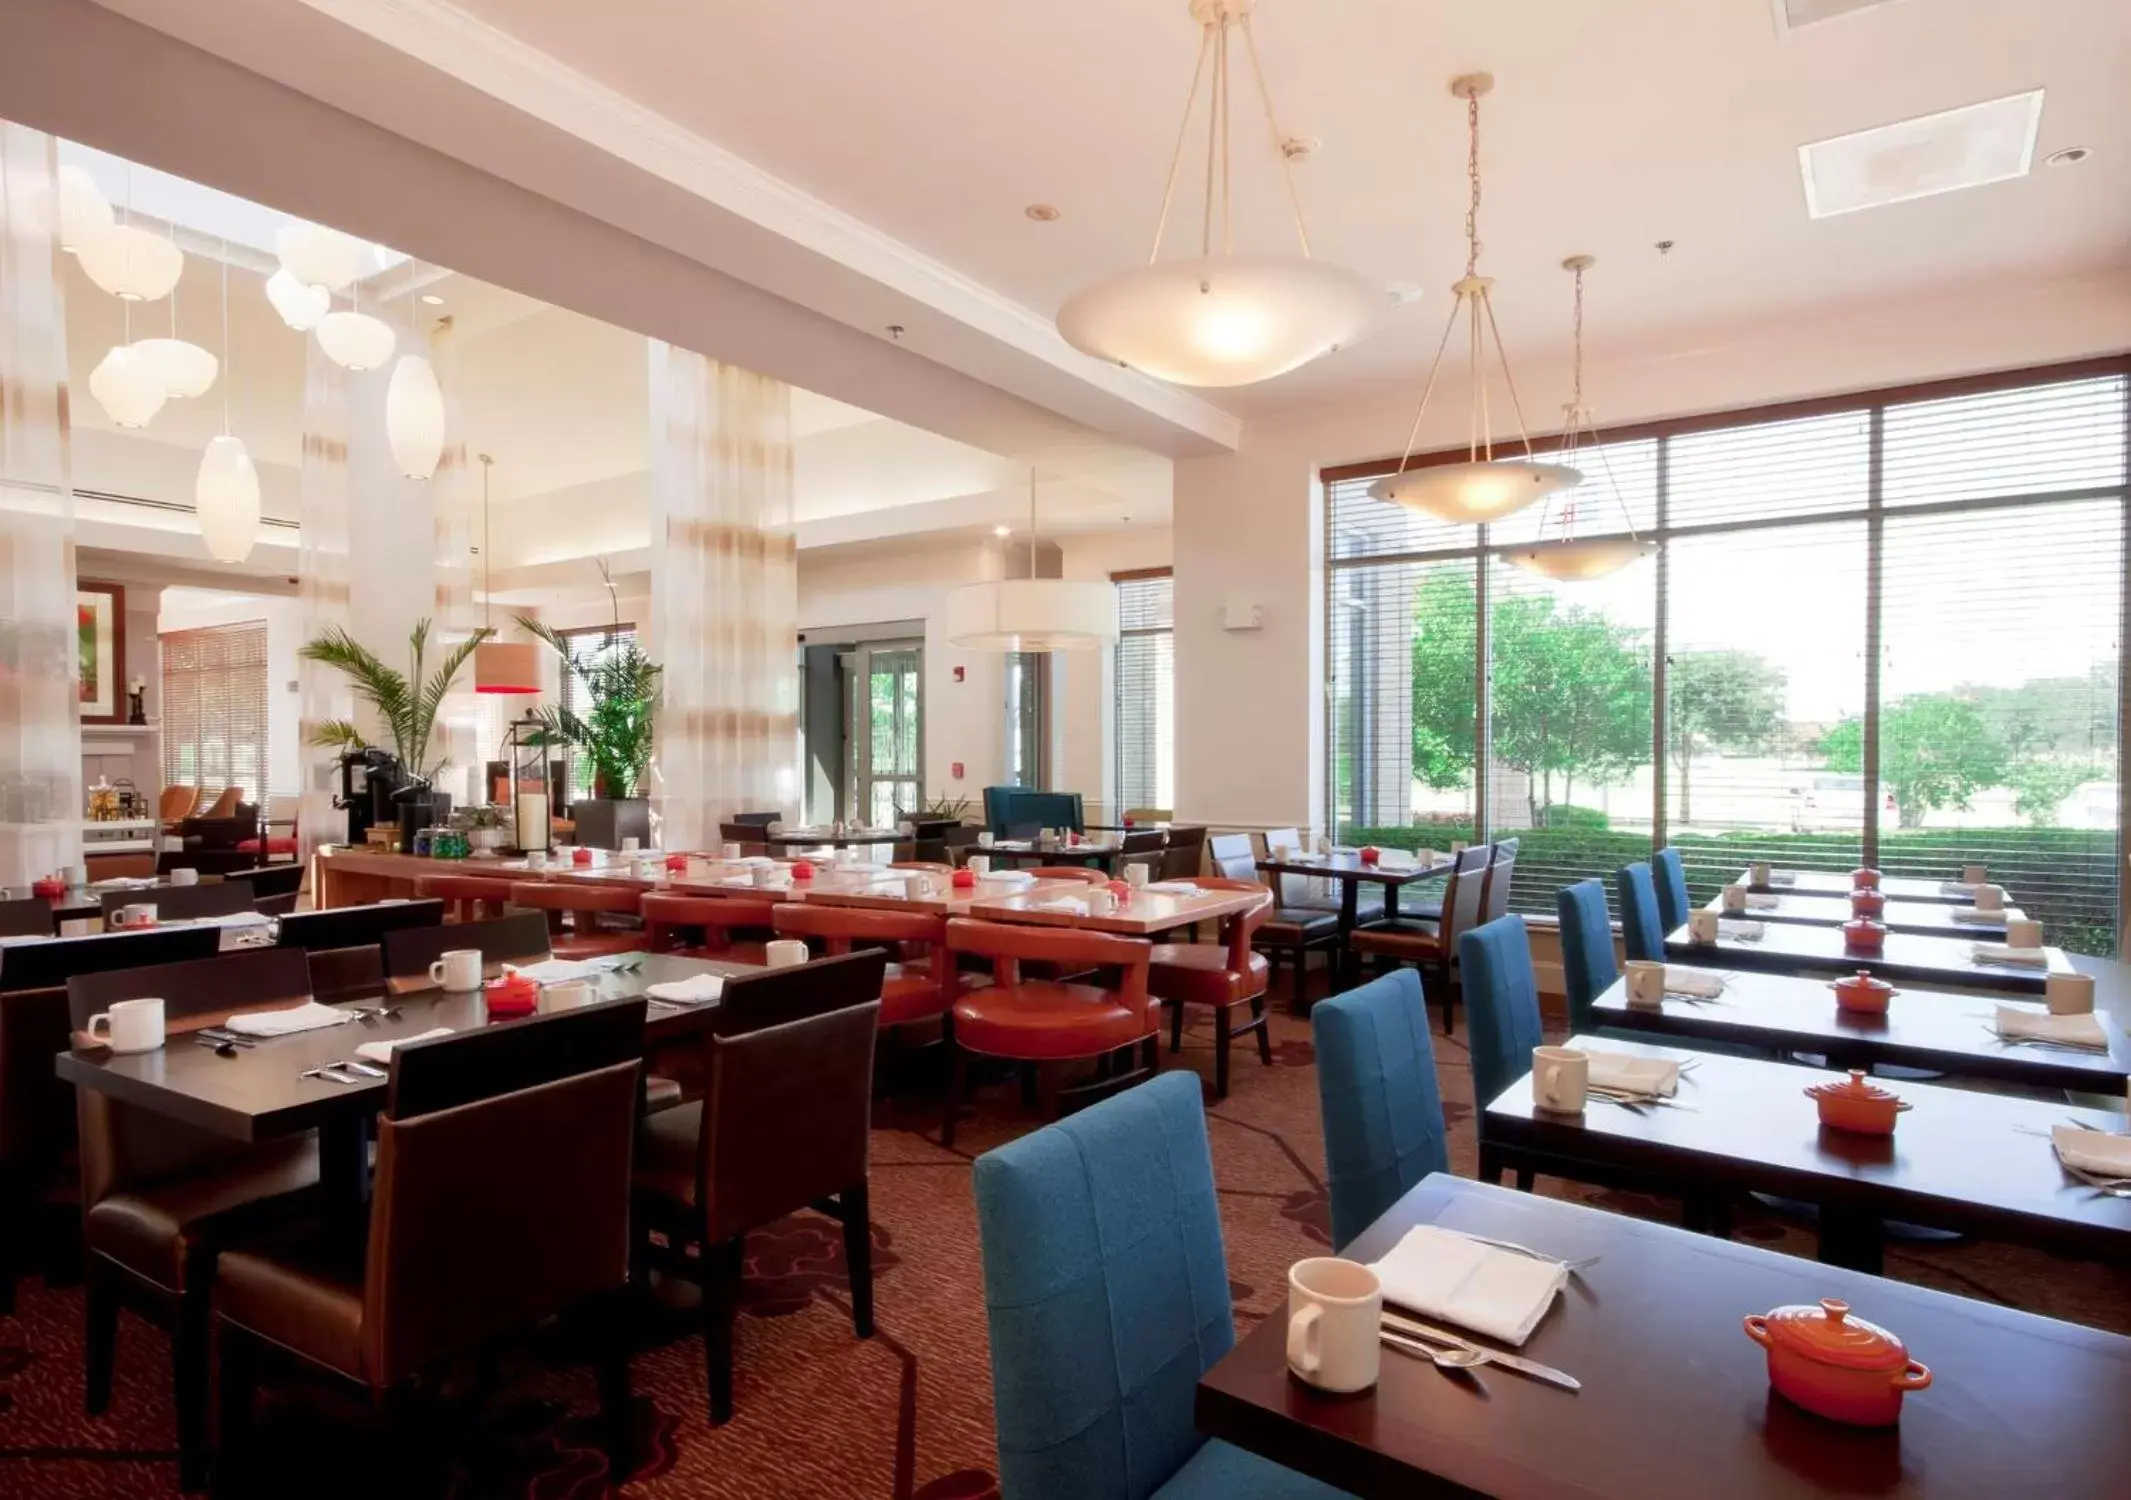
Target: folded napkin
column 124, row 883
column 1071, row 905
column 381, row 1052
column 2077, row 1031
column 1007, row 877
column 1634, row 1075
column 1956, row 888
column 1999, row 953
column 1979, row 918
column 1172, row 887
column 1496, row 1293
column 309, row 1016
column 693, row 990
column 1781, row 878
column 1696, row 984
column 1762, row 901
column 1744, row 932
column 2099, row 1151
column 554, row 970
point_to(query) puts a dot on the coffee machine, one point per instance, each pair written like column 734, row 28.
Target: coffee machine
column 367, row 779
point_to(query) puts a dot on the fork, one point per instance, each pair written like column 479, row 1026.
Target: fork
column 1573, row 1267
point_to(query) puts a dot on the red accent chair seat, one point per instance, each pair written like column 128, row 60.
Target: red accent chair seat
column 1222, row 977
column 912, row 991
column 466, row 898
column 718, row 917
column 584, row 903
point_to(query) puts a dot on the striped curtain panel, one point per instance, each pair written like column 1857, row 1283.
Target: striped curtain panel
column 322, row 578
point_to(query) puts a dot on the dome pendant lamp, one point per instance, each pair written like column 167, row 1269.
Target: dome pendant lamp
column 1221, row 319
column 499, row 666
column 1033, row 614
column 1483, row 488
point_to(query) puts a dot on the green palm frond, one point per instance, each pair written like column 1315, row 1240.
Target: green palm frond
column 406, row 704
column 339, row 734
column 616, row 733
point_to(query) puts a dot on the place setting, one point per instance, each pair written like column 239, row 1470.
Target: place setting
column 1650, row 984
column 1563, row 1078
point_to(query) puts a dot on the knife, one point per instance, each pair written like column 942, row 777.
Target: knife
column 1515, row 1362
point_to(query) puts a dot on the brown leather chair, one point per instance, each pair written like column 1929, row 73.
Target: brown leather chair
column 29, row 917
column 584, row 903
column 275, row 888
column 912, row 990
column 1222, row 976
column 160, row 1198
column 520, row 938
column 1183, row 854
column 345, row 973
column 503, row 1205
column 1501, row 871
column 220, row 898
column 224, row 805
column 785, row 1123
column 1081, row 873
column 717, row 918
column 466, row 898
column 1288, row 933
column 356, row 926
column 1432, row 945
column 747, row 835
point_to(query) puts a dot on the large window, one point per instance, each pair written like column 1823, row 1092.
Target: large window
column 587, row 647
column 214, row 709
column 1886, row 629
column 1146, row 690
column 1028, row 713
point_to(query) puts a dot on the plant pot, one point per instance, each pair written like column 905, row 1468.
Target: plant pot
column 603, row 822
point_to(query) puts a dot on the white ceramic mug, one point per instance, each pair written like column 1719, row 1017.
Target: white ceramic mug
column 1100, row 902
column 1457, row 847
column 772, row 876
column 784, row 953
column 733, row 851
column 136, row 914
column 1735, row 898
column 1758, row 872
column 980, row 864
column 2023, row 932
column 184, row 875
column 1282, row 851
column 536, row 859
column 1335, row 1315
column 1702, row 926
column 129, row 1026
column 1990, row 897
column 984, row 841
column 631, row 844
column 566, row 994
column 916, row 888
column 1646, row 982
column 1136, row 875
column 77, row 875
column 459, row 970
column 1974, row 874
column 2069, row 994
column 1424, row 857
column 1560, row 1076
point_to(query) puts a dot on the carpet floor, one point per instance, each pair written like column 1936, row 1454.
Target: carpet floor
column 903, row 1416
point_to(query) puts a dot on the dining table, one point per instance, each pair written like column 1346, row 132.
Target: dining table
column 1793, row 948
column 1097, row 853
column 1675, row 1401
column 1146, row 911
column 1923, row 918
column 1950, row 1033
column 1347, row 867
column 1959, row 1159
column 826, row 837
column 1834, row 883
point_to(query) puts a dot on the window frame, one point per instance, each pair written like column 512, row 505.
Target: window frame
column 1117, row 732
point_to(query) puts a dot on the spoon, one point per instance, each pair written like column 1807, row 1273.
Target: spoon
column 1443, row 1359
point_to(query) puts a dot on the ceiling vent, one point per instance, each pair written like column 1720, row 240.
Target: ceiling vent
column 1796, row 15
column 1942, row 153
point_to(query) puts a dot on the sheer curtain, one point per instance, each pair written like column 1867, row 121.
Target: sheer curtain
column 725, row 595
column 40, row 736
column 455, row 490
column 322, row 578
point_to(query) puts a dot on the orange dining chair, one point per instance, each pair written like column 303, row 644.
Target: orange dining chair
column 224, row 806
column 1222, row 976
column 176, row 803
column 718, row 917
column 1069, row 872
column 584, row 903
column 466, row 898
column 913, row 990
column 929, row 866
column 1047, row 1023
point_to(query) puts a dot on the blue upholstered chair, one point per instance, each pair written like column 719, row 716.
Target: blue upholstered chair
column 1641, row 927
column 1106, row 1288
column 1383, row 1115
column 1670, row 876
column 1502, row 1004
column 1587, row 965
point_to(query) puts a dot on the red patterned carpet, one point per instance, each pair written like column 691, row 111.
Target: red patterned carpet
column 905, row 1416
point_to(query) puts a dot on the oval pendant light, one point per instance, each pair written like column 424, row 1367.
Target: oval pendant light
column 130, row 263
column 184, row 370
column 299, row 303
column 226, row 496
column 356, row 341
column 414, row 417
column 84, row 212
column 318, row 256
column 126, row 388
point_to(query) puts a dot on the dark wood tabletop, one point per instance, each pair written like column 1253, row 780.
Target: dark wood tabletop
column 1829, row 883
column 1958, row 1159
column 1102, row 853
column 1948, row 1033
column 1676, row 1403
column 1791, row 948
column 824, row 839
column 1925, row 918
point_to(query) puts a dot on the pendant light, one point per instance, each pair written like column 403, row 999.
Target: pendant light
column 500, row 666
column 314, row 255
column 184, row 369
column 299, row 303
column 1032, row 614
column 1483, row 488
column 225, row 493
column 1560, row 553
column 414, row 409
column 1221, row 319
column 127, row 261
column 123, row 384
column 83, row 211
column 354, row 340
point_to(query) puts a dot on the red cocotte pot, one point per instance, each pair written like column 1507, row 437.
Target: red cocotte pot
column 1864, row 879
column 1863, row 991
column 1867, row 903
column 1864, row 934
column 1837, row 1366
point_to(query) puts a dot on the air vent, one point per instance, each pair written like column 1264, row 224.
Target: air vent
column 1942, row 153
column 1796, row 15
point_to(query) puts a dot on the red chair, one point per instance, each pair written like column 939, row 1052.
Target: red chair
column 719, row 917
column 912, row 990
column 1223, row 977
column 584, row 903
column 466, row 898
column 1069, row 872
column 1046, row 1022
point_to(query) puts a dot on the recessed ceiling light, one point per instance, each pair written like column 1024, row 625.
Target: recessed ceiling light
column 1042, row 213
column 2069, row 156
column 1941, row 153
column 1002, row 531
column 432, row 299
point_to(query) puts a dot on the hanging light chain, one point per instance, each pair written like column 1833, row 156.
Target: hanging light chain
column 1576, row 391
column 1472, row 175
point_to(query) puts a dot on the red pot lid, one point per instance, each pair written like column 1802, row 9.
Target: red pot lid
column 1866, row 871
column 1853, row 1087
column 1865, row 980
column 1828, row 1335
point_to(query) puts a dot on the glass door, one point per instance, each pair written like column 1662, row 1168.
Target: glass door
column 885, row 710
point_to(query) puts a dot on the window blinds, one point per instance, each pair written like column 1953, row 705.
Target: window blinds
column 214, row 697
column 1145, row 692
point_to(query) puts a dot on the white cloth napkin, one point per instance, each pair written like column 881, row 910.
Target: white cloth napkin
column 1007, row 877
column 1781, row 878
column 2100, row 1151
column 1634, row 1075
column 1979, row 918
column 309, row 1016
column 381, row 1052
column 1999, row 953
column 1070, row 905
column 2079, row 1031
column 1762, row 901
column 1496, row 1293
column 554, row 970
column 693, row 990
column 1744, row 932
column 1696, row 984
column 1172, row 887
column 1956, row 888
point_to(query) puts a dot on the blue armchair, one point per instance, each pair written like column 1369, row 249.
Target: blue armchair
column 1502, row 999
column 1376, row 1086
column 1642, row 929
column 1670, row 876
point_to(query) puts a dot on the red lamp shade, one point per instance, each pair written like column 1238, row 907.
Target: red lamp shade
column 506, row 667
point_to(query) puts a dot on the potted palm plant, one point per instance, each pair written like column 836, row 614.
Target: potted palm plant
column 406, row 705
column 614, row 734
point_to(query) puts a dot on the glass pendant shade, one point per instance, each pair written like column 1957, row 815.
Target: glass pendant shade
column 506, row 667
column 1578, row 561
column 1221, row 320
column 130, row 263
column 184, row 370
column 300, row 304
column 226, row 498
column 126, row 388
column 1472, row 494
column 414, row 417
column 356, row 341
column 83, row 211
column 1033, row 614
column 318, row 256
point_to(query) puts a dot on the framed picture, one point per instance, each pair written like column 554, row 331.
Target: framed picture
column 100, row 628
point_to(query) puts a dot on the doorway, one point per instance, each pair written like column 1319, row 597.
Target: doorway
column 864, row 723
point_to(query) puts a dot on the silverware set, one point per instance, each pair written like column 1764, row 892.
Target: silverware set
column 1634, row 1102
column 1450, row 1351
column 343, row 1070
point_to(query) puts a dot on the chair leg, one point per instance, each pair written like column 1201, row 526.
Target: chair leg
column 1223, row 1041
column 1301, row 1001
column 721, row 1295
column 1176, row 1025
column 1524, row 1179
column 858, row 1256
column 614, row 1390
column 189, row 1374
column 1490, row 1167
column 957, row 1085
column 238, row 1353
column 100, row 1339
column 1150, row 1054
column 1265, row 1030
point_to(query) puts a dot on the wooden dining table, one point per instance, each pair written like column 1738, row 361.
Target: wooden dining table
column 1353, row 872
column 1831, row 883
column 1144, row 913
column 1924, row 918
column 1793, row 948
column 1676, row 1403
column 1102, row 854
column 1962, row 1160
column 1945, row 1032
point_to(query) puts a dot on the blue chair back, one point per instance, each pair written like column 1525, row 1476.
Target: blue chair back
column 1641, row 929
column 1502, row 1001
column 1671, row 878
column 1106, row 1288
column 1376, row 1086
column 1007, row 806
column 1587, row 965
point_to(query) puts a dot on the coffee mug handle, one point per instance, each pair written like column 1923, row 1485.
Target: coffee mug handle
column 436, row 972
column 1547, row 1076
column 1304, row 1338
column 91, row 1031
